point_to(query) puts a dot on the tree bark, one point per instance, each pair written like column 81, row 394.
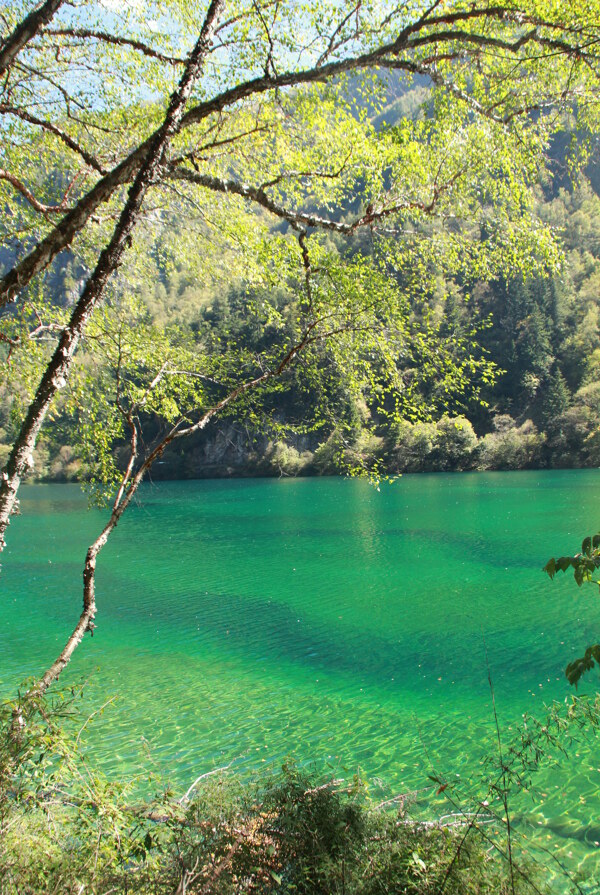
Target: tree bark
column 384, row 56
column 25, row 31
column 54, row 378
column 131, row 482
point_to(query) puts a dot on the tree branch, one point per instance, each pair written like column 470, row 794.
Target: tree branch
column 21, row 188
column 105, row 37
column 300, row 219
column 385, row 56
column 25, row 115
column 20, row 458
column 25, row 31
column 129, row 484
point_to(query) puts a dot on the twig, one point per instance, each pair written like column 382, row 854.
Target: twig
column 504, row 795
column 93, row 715
column 185, row 797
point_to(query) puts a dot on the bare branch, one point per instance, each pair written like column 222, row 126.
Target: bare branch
column 300, row 219
column 257, row 194
column 21, row 188
column 25, row 115
column 336, row 44
column 269, row 64
column 185, row 798
column 194, row 155
column 307, row 265
column 105, row 37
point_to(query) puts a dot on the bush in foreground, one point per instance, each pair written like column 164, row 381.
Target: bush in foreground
column 66, row 829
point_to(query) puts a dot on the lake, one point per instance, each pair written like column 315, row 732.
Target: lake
column 250, row 622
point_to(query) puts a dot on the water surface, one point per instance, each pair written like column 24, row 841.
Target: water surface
column 252, row 621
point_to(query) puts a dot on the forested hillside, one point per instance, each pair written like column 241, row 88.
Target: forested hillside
column 254, row 237
column 505, row 373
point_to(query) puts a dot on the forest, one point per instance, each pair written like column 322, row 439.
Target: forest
column 536, row 336
column 259, row 238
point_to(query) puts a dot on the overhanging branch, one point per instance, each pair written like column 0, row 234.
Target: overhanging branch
column 385, row 56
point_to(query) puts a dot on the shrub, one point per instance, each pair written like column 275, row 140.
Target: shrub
column 66, row 465
column 65, row 828
column 511, row 446
column 456, row 443
column 361, row 451
column 448, row 445
column 414, row 446
column 287, row 460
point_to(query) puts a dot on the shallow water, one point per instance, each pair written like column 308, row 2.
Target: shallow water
column 253, row 621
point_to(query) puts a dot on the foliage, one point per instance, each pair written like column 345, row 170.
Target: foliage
column 294, row 201
column 64, row 827
column 279, row 220
column 510, row 446
column 552, row 385
column 584, row 566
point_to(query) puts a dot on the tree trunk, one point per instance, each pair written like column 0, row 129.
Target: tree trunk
column 20, row 459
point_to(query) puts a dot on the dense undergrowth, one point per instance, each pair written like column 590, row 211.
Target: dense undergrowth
column 287, row 837
column 64, row 828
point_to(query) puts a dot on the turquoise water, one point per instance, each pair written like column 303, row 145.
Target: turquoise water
column 324, row 620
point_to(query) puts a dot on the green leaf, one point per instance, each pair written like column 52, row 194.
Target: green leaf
column 578, row 667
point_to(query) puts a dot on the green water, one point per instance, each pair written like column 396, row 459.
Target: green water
column 256, row 620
